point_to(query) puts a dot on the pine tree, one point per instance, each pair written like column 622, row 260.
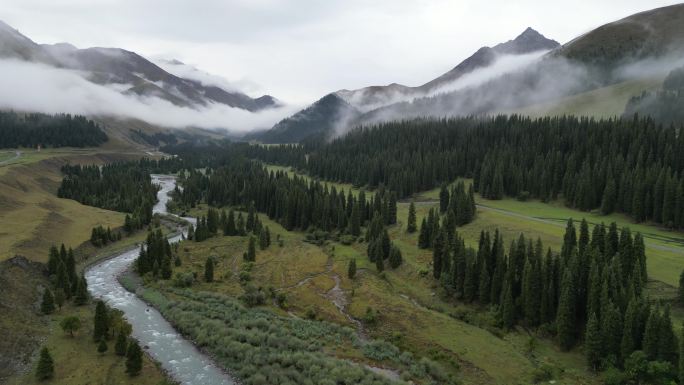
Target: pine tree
column 395, row 258
column 609, row 197
column 667, row 340
column 133, row 359
column 209, row 270
column 101, row 321
column 611, row 331
column 508, row 308
column 379, row 263
column 355, row 221
column 651, row 335
column 229, row 227
column 251, row 250
column 46, row 367
column 593, row 344
column 631, row 329
column 62, row 281
column 443, row 198
column 424, row 236
column 121, row 344
column 351, row 270
column 565, row 319
column 82, row 296
column 411, row 220
column 102, row 346
column 53, row 260
column 47, row 306
column 438, row 252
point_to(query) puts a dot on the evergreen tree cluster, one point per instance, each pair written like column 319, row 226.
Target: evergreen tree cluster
column 125, row 187
column 632, row 166
column 293, row 202
column 67, row 283
column 155, row 256
column 380, row 247
column 591, row 290
column 33, row 130
column 100, row 236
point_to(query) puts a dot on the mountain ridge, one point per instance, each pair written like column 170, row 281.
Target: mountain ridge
column 119, row 66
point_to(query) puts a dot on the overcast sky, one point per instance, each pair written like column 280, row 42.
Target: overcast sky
column 298, row 50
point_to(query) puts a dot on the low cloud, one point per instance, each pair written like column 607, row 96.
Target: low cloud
column 40, row 88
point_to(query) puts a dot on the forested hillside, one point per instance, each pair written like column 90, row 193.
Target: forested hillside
column 125, row 187
column 633, row 166
column 665, row 105
column 33, row 130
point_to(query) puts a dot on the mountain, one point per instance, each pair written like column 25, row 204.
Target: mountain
column 320, row 118
column 618, row 60
column 648, row 34
column 369, row 98
column 126, row 70
column 323, row 117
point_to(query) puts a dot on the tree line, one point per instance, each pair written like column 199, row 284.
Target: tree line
column 123, row 186
column 62, row 130
column 634, row 166
column 294, row 202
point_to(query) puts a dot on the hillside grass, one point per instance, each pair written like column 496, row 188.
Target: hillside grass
column 77, row 361
column 411, row 313
column 604, row 102
column 32, row 218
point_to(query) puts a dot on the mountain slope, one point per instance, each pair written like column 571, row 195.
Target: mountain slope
column 127, row 70
column 370, row 98
column 654, row 33
column 321, row 118
column 339, row 109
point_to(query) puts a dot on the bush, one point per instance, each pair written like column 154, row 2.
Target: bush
column 347, row 239
column 523, row 196
column 184, row 280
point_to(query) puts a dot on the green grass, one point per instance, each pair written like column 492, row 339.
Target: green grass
column 32, row 218
column 605, row 102
column 77, row 361
column 411, row 312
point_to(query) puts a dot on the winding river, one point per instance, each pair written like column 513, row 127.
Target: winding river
column 178, row 356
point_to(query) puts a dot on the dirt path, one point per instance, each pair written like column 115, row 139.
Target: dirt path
column 17, row 155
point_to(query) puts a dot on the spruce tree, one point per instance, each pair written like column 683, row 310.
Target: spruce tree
column 82, row 296
column 443, row 198
column 411, row 220
column 565, row 319
column 47, row 306
column 395, row 258
column 102, row 346
column 611, row 331
column 355, row 221
column 593, row 344
column 229, row 227
column 251, row 250
column 508, row 308
column 631, row 329
column 651, row 335
column 667, row 340
column 46, row 367
column 101, row 321
column 133, row 359
column 379, row 263
column 438, row 252
column 351, row 269
column 424, row 236
column 209, row 270
column 121, row 344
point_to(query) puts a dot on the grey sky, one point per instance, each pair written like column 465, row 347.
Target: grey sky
column 300, row 50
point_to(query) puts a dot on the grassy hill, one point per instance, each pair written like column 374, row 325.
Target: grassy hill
column 605, row 102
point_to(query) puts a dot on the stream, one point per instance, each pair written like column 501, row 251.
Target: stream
column 178, row 356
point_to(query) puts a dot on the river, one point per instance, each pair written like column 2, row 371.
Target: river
column 178, row 356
